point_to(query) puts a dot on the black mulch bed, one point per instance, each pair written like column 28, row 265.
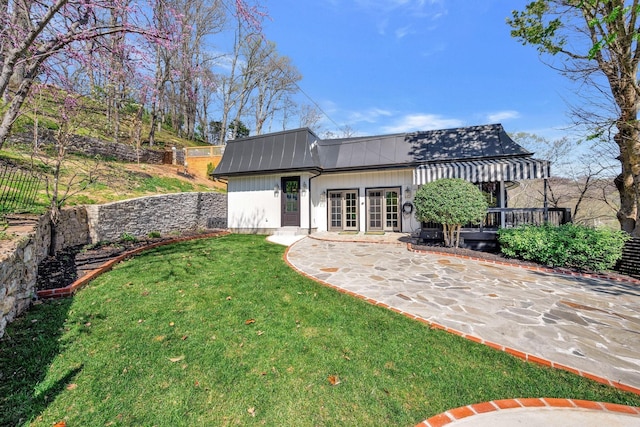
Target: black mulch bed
column 66, row 266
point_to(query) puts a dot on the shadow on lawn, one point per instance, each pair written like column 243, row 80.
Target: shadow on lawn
column 27, row 350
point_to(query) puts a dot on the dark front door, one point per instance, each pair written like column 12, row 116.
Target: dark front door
column 290, row 201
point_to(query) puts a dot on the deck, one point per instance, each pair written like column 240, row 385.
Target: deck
column 484, row 236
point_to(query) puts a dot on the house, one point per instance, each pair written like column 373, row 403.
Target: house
column 295, row 181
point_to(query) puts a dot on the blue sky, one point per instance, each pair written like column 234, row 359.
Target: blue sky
column 386, row 66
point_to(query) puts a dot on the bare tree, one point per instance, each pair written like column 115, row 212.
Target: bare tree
column 68, row 177
column 277, row 81
column 598, row 43
column 310, row 117
column 208, row 83
column 578, row 182
column 229, row 84
column 103, row 36
column 56, row 29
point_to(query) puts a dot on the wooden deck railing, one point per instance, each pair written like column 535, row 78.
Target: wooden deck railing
column 514, row 217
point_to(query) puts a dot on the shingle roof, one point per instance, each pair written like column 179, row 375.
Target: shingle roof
column 300, row 149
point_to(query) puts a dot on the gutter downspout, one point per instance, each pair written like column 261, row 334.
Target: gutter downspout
column 310, row 211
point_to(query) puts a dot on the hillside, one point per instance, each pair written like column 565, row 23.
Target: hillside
column 94, row 141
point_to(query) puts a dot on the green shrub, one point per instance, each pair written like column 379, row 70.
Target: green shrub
column 127, row 237
column 154, row 235
column 568, row 245
column 452, row 203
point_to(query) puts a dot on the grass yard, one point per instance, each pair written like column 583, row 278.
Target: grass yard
column 221, row 332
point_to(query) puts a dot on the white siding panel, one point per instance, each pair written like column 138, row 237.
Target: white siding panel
column 253, row 204
column 361, row 181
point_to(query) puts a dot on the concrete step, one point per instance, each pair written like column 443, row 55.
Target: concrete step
column 291, row 231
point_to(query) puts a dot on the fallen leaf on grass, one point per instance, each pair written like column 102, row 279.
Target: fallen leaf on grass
column 260, row 333
column 229, row 298
column 171, row 324
column 333, row 380
column 60, row 424
column 249, row 321
column 72, row 386
column 184, row 337
column 159, row 338
column 252, row 411
column 176, row 359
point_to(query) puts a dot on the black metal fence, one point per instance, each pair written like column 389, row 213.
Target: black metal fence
column 514, row 217
column 18, row 189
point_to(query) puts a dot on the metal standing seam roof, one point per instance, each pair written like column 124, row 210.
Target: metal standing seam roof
column 275, row 152
column 301, row 149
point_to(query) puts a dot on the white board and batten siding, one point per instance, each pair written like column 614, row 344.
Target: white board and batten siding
column 255, row 207
column 361, row 181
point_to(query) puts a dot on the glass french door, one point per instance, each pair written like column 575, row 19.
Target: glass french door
column 383, row 207
column 343, row 210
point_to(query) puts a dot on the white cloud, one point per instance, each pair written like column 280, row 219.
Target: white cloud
column 369, row 116
column 415, row 122
column 433, row 49
column 501, row 116
column 382, row 26
column 403, row 31
column 401, row 11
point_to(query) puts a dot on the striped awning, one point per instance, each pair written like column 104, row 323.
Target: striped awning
column 493, row 170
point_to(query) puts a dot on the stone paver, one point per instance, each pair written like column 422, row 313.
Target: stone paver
column 530, row 412
column 589, row 324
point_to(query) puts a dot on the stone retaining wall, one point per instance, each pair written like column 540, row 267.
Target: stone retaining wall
column 18, row 270
column 94, row 146
column 122, row 152
column 164, row 214
column 19, row 258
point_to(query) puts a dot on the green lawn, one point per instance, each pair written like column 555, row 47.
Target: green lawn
column 221, row 332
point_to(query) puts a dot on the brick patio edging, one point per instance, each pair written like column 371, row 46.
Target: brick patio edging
column 453, row 415
column 79, row 283
column 433, row 325
column 542, row 269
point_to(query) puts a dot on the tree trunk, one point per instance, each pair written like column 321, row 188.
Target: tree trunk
column 9, row 116
column 153, row 121
column 628, row 182
column 457, row 235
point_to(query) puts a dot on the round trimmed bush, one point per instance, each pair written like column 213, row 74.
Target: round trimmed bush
column 452, row 203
